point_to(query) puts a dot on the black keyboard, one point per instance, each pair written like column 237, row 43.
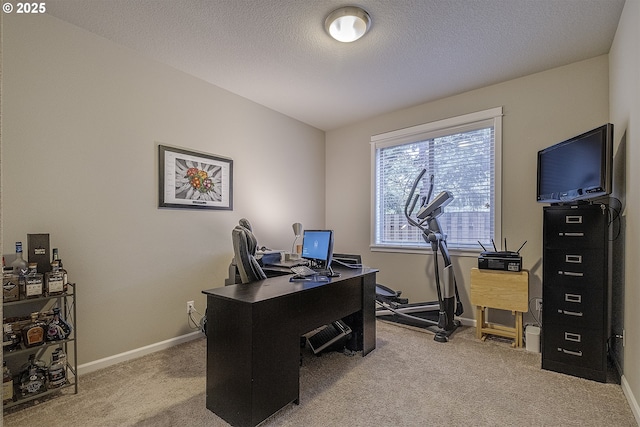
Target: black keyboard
column 324, row 272
column 328, row 335
column 303, row 270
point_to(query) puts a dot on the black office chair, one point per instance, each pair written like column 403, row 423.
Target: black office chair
column 244, row 263
column 244, row 251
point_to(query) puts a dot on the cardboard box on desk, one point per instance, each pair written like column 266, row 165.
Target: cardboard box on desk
column 39, row 252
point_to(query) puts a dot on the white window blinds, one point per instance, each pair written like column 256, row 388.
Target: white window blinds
column 462, row 154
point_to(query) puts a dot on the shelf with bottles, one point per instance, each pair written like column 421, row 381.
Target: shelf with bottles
column 53, row 321
column 21, row 349
column 69, row 292
column 39, row 328
column 34, row 279
column 37, row 380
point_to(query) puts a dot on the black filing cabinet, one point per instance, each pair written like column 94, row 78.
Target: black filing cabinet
column 576, row 290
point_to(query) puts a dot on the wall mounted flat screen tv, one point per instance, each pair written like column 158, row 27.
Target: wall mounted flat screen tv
column 578, row 169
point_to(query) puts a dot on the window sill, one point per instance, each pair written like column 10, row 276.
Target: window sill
column 458, row 252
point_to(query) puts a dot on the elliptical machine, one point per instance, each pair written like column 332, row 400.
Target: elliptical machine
column 437, row 316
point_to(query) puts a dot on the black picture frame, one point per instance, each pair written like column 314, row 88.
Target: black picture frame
column 194, row 180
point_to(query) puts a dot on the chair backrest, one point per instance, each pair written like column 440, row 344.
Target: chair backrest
column 244, row 250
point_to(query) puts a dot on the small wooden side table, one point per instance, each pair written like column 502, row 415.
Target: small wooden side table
column 505, row 290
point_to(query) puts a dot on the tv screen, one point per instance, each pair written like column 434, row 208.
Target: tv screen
column 317, row 246
column 576, row 169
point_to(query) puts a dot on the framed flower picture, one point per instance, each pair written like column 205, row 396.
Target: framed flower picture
column 193, row 180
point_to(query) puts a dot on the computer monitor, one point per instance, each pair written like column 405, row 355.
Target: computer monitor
column 317, row 247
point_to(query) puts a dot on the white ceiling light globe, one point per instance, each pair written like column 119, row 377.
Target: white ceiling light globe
column 347, row 24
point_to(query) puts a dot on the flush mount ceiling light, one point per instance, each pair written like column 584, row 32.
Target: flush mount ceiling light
column 347, row 24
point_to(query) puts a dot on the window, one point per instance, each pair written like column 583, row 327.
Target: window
column 463, row 155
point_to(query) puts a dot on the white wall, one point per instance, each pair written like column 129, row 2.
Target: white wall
column 624, row 65
column 539, row 110
column 82, row 119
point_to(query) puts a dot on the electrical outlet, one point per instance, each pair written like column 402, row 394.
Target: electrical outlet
column 190, row 307
column 539, row 304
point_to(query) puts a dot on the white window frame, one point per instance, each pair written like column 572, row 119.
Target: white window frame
column 432, row 130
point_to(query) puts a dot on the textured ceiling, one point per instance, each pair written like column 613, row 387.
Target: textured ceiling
column 277, row 53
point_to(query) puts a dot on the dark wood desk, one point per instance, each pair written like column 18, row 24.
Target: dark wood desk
column 253, row 338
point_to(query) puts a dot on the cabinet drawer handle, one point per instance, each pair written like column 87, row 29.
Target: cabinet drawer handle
column 573, row 353
column 568, row 336
column 574, row 259
column 571, row 313
column 573, row 298
column 570, row 273
column 573, row 219
column 576, row 234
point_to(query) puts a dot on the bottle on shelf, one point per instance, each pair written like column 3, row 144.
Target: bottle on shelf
column 33, row 377
column 54, row 280
column 10, row 285
column 57, row 328
column 10, row 340
column 57, row 372
column 19, row 264
column 56, row 257
column 7, row 384
column 33, row 282
column 20, row 267
column 33, row 334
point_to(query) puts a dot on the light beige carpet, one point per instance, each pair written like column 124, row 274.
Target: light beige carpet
column 409, row 380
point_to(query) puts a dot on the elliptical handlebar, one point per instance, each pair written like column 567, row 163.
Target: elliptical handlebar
column 413, row 199
column 425, row 201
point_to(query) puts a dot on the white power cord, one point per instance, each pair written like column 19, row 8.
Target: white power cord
column 195, row 323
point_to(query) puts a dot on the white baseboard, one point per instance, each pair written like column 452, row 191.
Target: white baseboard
column 85, row 368
column 467, row 322
column 635, row 408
